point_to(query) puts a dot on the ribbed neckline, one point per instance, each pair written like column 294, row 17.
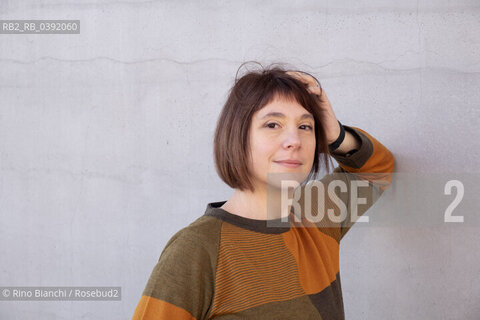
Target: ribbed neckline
column 270, row 226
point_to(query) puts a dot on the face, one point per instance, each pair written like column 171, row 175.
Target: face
column 282, row 142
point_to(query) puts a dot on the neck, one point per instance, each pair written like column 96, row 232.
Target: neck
column 263, row 204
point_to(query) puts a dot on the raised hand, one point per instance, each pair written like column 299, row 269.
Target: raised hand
column 328, row 119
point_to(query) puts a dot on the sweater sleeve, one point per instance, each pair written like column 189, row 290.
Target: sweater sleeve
column 181, row 283
column 352, row 188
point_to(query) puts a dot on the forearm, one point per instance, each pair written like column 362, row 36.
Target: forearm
column 349, row 143
column 372, row 160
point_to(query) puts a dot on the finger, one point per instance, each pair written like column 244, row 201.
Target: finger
column 309, row 81
column 315, row 90
column 302, row 77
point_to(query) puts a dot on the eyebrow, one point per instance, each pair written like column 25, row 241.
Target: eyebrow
column 281, row 115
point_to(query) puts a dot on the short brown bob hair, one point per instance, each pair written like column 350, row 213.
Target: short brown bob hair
column 250, row 93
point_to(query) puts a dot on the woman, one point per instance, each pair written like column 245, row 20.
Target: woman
column 240, row 260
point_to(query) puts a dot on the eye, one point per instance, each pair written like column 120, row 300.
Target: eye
column 306, row 127
column 271, row 125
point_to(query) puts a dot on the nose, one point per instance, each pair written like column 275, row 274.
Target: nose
column 291, row 140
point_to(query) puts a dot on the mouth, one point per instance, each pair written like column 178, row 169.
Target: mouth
column 289, row 163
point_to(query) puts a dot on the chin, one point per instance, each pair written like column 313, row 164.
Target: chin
column 275, row 179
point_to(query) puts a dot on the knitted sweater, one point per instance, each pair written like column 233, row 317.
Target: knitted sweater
column 225, row 266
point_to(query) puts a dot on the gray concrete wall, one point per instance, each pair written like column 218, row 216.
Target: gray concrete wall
column 106, row 138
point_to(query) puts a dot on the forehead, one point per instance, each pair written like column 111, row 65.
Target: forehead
column 283, row 107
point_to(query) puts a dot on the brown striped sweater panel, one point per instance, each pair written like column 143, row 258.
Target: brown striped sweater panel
column 224, row 266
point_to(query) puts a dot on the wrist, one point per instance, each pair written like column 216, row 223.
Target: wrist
column 335, row 144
